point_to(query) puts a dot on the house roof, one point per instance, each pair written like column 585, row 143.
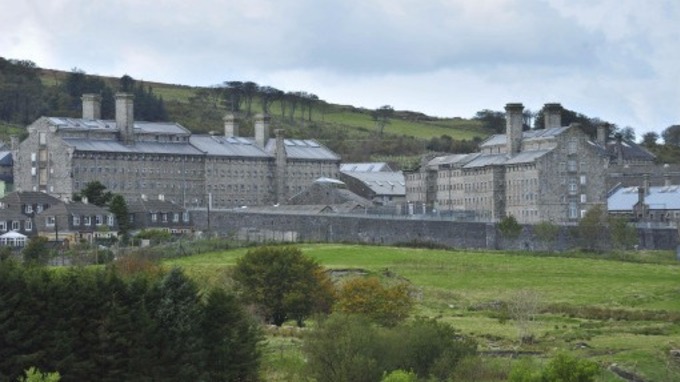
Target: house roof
column 529, row 135
column 303, row 149
column 6, row 158
column 75, row 208
column 11, row 214
column 365, row 167
column 659, row 198
column 382, row 183
column 12, row 235
column 17, row 199
column 154, row 205
column 629, row 150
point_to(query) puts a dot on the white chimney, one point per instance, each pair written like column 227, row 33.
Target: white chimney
column 230, row 125
column 125, row 117
column 261, row 129
column 92, row 106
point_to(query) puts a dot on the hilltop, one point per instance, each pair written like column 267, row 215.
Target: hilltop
column 351, row 131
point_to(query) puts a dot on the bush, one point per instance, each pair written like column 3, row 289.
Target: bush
column 567, row 368
column 509, row 227
column 386, row 305
column 399, row 376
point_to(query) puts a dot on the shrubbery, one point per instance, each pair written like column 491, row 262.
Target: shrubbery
column 562, row 367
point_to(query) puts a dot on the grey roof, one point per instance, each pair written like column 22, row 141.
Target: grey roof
column 456, row 159
column 111, row 146
column 6, row 158
column 630, row 150
column 382, row 183
column 75, row 208
column 10, row 214
column 154, row 205
column 303, row 149
column 365, row 167
column 141, row 127
column 501, row 139
column 487, row 160
column 526, row 156
column 231, row 147
column 659, row 198
column 17, row 199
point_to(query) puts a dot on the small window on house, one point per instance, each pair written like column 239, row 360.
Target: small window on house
column 3, row 226
column 99, row 220
column 185, row 217
column 49, row 221
column 583, row 180
column 573, row 210
column 109, row 220
column 154, row 217
column 28, row 225
column 87, row 220
column 131, row 218
column 584, row 199
column 16, row 225
column 29, row 209
column 76, row 220
column 164, row 217
column 175, row 217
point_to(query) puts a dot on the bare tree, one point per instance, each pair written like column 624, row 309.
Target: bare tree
column 382, row 116
column 523, row 307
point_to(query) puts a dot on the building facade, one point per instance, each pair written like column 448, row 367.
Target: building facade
column 164, row 160
column 552, row 174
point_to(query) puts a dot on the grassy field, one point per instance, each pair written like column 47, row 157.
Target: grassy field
column 610, row 311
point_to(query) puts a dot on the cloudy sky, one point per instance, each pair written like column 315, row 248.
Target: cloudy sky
column 618, row 60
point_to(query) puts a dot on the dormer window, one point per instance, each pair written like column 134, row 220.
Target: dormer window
column 29, row 209
column 49, row 221
column 76, row 220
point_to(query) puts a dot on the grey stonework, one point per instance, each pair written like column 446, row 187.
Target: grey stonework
column 329, row 228
column 164, row 160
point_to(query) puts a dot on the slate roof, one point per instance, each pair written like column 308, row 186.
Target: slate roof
column 365, row 167
column 529, row 135
column 17, row 199
column 75, row 208
column 382, row 183
column 303, row 149
column 6, row 158
column 140, row 127
column 214, row 145
column 630, row 151
column 662, row 198
column 11, row 214
column 154, row 205
column 111, row 146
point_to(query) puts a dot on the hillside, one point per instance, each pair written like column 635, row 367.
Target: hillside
column 348, row 130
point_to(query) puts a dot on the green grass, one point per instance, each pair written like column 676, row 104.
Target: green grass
column 625, row 311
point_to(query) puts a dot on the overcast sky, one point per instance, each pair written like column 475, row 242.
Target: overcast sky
column 618, row 60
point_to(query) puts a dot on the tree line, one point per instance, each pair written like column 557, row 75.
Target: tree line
column 24, row 98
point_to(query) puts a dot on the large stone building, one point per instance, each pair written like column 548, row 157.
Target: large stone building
column 163, row 159
column 552, row 174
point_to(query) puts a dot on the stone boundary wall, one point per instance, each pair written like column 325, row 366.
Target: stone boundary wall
column 275, row 227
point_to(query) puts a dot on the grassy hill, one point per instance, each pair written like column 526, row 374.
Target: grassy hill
column 607, row 310
column 348, row 130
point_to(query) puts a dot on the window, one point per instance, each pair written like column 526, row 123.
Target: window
column 3, row 226
column 572, row 145
column 87, row 220
column 16, row 225
column 584, row 199
column 573, row 210
column 98, row 220
column 164, row 217
column 49, row 221
column 76, row 220
column 175, row 217
column 154, row 217
column 573, row 187
column 583, row 180
column 571, row 165
column 34, row 157
column 109, row 220
column 29, row 209
column 28, row 225
column 131, row 218
column 38, row 208
column 185, row 217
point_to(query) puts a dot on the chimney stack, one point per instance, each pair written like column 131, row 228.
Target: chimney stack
column 125, row 117
column 92, row 106
column 261, row 129
column 230, row 125
column 281, row 161
column 513, row 127
column 552, row 115
column 667, row 180
column 646, row 184
column 602, row 134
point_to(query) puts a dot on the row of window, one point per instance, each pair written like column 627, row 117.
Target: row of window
column 16, row 225
column 50, row 221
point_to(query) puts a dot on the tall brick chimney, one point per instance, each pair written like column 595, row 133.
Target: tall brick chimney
column 513, row 126
column 230, row 125
column 261, row 129
column 92, row 106
column 552, row 115
column 125, row 117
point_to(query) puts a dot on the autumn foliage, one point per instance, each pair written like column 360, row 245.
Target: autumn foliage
column 384, row 304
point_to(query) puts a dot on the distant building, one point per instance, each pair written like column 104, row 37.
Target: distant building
column 326, row 191
column 375, row 182
column 75, row 222
column 150, row 159
column 552, row 174
column 159, row 214
column 646, row 203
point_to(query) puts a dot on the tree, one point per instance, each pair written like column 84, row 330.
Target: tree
column 119, row 209
column 523, row 307
column 95, row 193
column 509, row 227
column 547, row 232
column 387, row 305
column 592, row 229
column 35, row 375
column 649, row 139
column 627, row 133
column 381, row 116
column 623, row 234
column 671, row 136
column 36, row 251
column 283, row 283
column 491, row 120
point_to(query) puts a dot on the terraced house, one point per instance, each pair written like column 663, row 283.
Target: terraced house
column 552, row 174
column 164, row 160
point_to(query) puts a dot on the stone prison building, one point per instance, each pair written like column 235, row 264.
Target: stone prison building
column 163, row 160
column 553, row 174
